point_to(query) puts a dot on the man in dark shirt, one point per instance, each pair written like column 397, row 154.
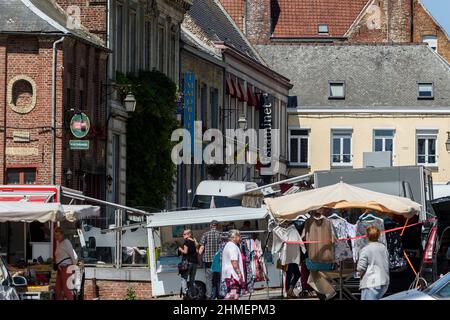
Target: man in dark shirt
column 209, row 245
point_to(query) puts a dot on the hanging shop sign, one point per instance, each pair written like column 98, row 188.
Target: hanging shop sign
column 79, row 144
column 265, row 124
column 189, row 105
column 80, row 125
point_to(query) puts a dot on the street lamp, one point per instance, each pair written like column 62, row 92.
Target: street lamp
column 447, row 143
column 130, row 102
column 242, row 123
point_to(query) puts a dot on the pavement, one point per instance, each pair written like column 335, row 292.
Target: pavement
column 260, row 294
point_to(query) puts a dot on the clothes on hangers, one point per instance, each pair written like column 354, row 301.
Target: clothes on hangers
column 289, row 253
column 342, row 249
column 361, row 227
column 319, row 229
column 394, row 245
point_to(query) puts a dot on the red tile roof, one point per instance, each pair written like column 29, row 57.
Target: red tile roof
column 300, row 18
column 235, row 9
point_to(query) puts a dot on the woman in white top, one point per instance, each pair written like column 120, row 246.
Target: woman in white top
column 65, row 256
column 232, row 266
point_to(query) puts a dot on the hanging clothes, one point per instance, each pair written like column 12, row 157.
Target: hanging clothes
column 361, row 227
column 289, row 253
column 394, row 245
column 342, row 249
column 319, row 229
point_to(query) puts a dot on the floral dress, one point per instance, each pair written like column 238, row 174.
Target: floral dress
column 342, row 249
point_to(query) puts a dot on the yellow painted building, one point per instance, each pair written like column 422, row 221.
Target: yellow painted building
column 409, row 134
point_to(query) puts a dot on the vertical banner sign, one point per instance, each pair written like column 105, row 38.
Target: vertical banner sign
column 265, row 125
column 189, row 106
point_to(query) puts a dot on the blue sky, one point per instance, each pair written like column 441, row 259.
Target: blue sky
column 440, row 9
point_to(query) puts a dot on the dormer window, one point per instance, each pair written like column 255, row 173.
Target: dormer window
column 323, row 29
column 425, row 90
column 431, row 41
column 336, row 90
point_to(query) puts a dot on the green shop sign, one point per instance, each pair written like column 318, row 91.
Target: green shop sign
column 80, row 125
column 79, row 144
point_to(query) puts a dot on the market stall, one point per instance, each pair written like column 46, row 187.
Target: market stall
column 333, row 240
column 39, row 273
column 165, row 229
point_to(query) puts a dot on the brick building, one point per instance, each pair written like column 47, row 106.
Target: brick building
column 356, row 21
column 28, row 32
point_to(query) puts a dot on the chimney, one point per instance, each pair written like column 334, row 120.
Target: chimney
column 400, row 23
column 257, row 21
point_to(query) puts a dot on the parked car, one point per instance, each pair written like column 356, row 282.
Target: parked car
column 436, row 256
column 8, row 284
column 440, row 290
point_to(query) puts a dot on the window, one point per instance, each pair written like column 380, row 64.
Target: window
column 214, row 101
column 431, row 41
column 161, row 48
column 425, row 90
column 148, row 45
column 341, row 148
column 132, row 42
column 426, row 147
column 292, row 101
column 21, row 176
column 172, row 57
column 323, row 28
column 119, row 36
column 299, row 147
column 336, row 90
column 116, row 167
column 383, row 140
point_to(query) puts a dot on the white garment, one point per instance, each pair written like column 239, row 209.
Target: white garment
column 230, row 253
column 65, row 250
column 289, row 253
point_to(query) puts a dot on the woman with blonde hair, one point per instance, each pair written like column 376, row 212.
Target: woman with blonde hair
column 189, row 261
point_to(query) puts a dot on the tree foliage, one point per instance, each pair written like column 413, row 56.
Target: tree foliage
column 150, row 169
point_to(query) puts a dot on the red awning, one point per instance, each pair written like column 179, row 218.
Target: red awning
column 242, row 96
column 230, row 88
column 251, row 99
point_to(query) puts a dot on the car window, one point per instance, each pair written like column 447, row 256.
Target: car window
column 444, row 292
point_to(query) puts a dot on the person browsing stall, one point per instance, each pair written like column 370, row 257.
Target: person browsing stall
column 188, row 251
column 232, row 266
column 373, row 263
column 209, row 245
column 65, row 256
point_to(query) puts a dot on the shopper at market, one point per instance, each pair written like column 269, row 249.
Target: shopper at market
column 209, row 245
column 188, row 251
column 65, row 256
column 373, row 263
column 292, row 277
column 232, row 267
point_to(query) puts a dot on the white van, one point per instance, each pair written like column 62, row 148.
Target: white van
column 220, row 190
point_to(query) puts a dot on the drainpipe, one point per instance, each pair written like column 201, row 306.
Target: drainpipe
column 55, row 61
column 411, row 8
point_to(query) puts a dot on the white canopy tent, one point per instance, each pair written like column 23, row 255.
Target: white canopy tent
column 176, row 218
column 45, row 212
column 340, row 196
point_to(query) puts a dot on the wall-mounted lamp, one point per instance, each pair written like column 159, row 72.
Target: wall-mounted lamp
column 130, row 102
column 69, row 175
column 242, row 123
column 447, row 143
column 109, row 182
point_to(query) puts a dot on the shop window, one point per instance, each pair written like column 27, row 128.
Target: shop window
column 21, row 176
column 299, row 147
column 425, row 90
column 336, row 90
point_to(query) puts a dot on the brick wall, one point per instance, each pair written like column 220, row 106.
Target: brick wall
column 117, row 290
column 92, row 14
column 30, row 58
column 394, row 25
